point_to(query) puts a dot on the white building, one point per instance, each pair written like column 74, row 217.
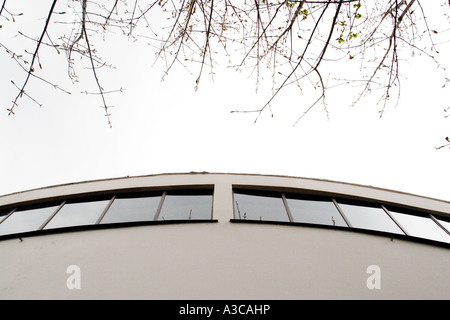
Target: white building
column 222, row 236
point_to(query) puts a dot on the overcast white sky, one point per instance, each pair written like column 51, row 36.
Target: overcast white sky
column 166, row 126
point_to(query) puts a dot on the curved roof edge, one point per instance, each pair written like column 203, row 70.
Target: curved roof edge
column 285, row 182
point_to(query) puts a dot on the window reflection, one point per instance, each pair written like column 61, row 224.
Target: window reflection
column 315, row 211
column 254, row 207
column 186, row 207
column 372, row 218
column 26, row 220
column 132, row 209
column 76, row 214
column 420, row 226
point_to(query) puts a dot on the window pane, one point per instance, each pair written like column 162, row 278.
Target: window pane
column 76, row 214
column 444, row 223
column 253, row 207
column 422, row 227
column 186, row 207
column 4, row 214
column 371, row 218
column 26, row 220
column 315, row 211
column 132, row 209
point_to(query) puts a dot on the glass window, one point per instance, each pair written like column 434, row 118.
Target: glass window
column 420, row 226
column 444, row 223
column 372, row 218
column 76, row 214
column 315, row 211
column 186, row 207
column 26, row 220
column 132, row 209
column 259, row 207
column 4, row 214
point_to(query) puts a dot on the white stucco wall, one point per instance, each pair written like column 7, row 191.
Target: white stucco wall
column 221, row 260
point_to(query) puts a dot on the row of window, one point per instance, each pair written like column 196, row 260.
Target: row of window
column 248, row 205
column 281, row 207
column 116, row 209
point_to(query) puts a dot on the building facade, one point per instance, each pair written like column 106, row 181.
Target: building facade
column 222, row 236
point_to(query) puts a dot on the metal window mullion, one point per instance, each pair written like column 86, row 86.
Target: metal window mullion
column 53, row 214
column 288, row 210
column 395, row 220
column 212, row 203
column 342, row 213
column 158, row 211
column 439, row 224
column 106, row 210
column 9, row 214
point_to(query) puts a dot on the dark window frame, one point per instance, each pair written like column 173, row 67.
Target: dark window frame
column 336, row 199
column 60, row 202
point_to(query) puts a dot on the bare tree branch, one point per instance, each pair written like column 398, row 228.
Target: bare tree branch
column 293, row 39
column 35, row 54
column 91, row 59
column 3, row 7
column 206, row 47
column 297, row 65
